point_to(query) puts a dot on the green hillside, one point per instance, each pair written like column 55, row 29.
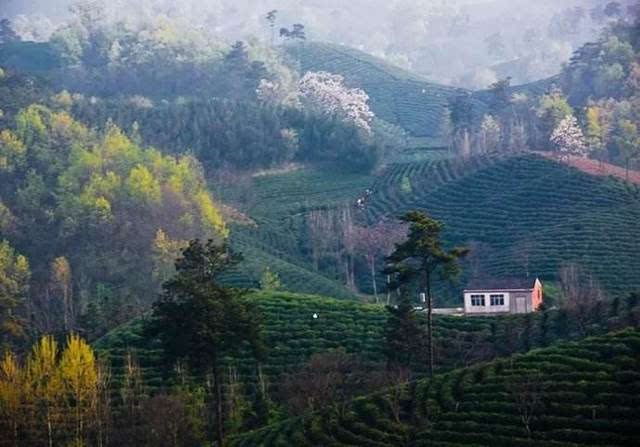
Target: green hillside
column 277, row 205
column 522, row 213
column 579, row 393
column 398, row 96
column 527, row 213
column 293, row 335
column 294, row 273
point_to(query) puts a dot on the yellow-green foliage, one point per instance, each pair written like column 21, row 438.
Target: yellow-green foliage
column 116, row 174
column 63, row 386
column 14, row 271
column 103, row 195
column 12, row 151
column 164, row 252
column 14, row 284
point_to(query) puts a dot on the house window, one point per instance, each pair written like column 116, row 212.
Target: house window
column 497, row 300
column 477, row 300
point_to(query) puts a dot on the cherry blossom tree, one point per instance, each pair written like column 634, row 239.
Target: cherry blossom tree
column 326, row 93
column 568, row 138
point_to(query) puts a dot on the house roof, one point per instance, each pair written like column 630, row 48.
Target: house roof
column 501, row 284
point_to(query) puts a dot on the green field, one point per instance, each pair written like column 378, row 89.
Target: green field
column 278, row 206
column 528, row 214
column 522, row 214
column 578, row 393
column 293, row 335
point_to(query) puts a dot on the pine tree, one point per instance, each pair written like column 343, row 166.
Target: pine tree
column 420, row 258
column 201, row 321
column 403, row 334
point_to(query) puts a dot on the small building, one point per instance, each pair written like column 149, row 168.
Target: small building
column 502, row 296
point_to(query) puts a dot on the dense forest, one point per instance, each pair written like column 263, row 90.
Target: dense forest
column 179, row 200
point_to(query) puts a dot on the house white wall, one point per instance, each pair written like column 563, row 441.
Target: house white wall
column 487, row 308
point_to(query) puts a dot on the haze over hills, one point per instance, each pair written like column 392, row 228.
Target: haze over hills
column 418, row 35
column 225, row 224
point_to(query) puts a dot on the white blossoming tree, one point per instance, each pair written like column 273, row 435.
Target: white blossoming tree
column 490, row 134
column 568, row 138
column 326, row 93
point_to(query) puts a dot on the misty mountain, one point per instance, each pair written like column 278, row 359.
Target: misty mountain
column 467, row 43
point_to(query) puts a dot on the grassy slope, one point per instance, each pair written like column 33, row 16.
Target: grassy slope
column 519, row 208
column 524, row 207
column 590, row 395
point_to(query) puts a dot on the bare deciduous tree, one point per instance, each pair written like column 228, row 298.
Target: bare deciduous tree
column 61, row 285
column 581, row 294
column 329, row 380
column 397, row 378
column 374, row 242
column 527, row 392
column 331, row 234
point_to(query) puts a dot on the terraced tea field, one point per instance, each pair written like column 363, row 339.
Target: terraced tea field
column 583, row 393
column 278, row 207
column 293, row 335
column 396, row 95
column 526, row 213
column 522, row 214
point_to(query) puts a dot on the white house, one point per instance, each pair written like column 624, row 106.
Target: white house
column 502, row 296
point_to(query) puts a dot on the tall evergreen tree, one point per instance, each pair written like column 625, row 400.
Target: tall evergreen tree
column 403, row 334
column 421, row 257
column 200, row 321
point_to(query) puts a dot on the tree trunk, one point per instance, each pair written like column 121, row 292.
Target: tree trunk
column 347, row 273
column 78, row 419
column 388, row 290
column 353, row 273
column 218, row 390
column 49, row 428
column 429, row 323
column 373, row 279
column 626, row 176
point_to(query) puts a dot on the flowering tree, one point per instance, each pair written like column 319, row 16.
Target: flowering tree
column 327, row 93
column 568, row 138
column 490, row 134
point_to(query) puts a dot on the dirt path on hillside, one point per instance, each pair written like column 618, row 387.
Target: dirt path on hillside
column 594, row 167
